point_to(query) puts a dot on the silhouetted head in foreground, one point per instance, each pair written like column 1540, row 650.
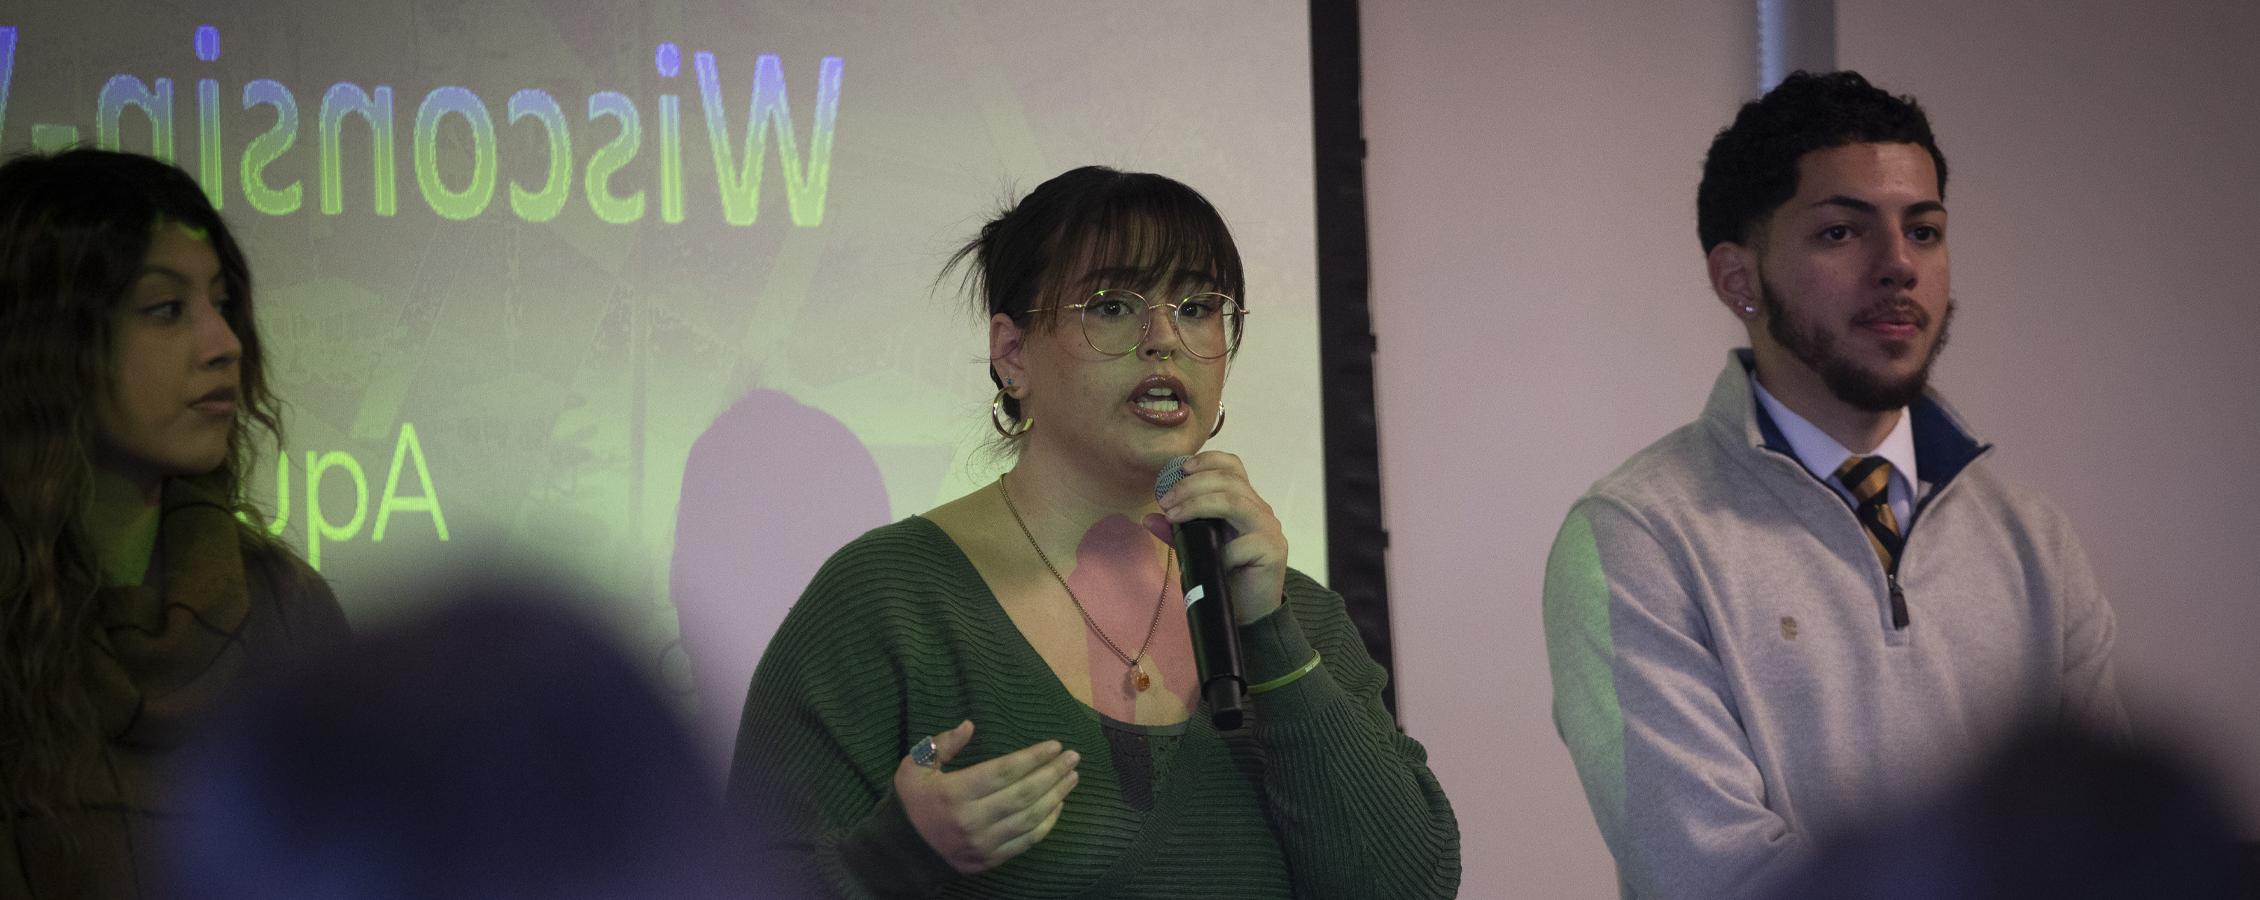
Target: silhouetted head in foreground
column 497, row 747
column 2057, row 813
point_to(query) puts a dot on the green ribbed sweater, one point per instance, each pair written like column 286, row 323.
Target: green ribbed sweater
column 898, row 637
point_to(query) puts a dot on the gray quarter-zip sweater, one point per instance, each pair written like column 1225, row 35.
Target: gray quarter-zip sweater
column 1726, row 673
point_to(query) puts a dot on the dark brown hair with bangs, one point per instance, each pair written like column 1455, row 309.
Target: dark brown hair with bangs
column 1140, row 228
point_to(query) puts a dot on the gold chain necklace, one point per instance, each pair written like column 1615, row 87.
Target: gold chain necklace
column 1137, row 674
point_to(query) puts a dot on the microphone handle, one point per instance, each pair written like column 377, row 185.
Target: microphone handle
column 1208, row 610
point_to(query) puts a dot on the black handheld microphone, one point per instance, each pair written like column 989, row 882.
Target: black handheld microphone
column 1208, row 608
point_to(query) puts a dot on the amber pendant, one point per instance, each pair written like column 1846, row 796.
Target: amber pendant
column 1138, row 677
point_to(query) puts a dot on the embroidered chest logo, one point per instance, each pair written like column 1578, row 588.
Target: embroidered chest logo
column 1789, row 628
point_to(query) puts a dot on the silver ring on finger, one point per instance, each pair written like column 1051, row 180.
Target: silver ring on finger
column 922, row 753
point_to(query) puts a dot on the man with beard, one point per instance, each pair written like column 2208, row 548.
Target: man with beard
column 1816, row 598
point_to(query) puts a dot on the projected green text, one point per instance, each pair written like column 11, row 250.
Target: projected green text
column 459, row 178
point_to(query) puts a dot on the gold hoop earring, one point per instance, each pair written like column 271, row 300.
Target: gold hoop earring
column 998, row 418
column 1219, row 419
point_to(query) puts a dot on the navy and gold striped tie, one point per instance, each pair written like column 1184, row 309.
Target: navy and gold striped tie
column 1869, row 480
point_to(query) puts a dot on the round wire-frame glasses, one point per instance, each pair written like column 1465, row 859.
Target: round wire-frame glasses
column 1115, row 321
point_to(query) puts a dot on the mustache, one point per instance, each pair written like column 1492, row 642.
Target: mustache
column 1896, row 309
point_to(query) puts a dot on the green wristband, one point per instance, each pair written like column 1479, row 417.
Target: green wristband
column 1287, row 679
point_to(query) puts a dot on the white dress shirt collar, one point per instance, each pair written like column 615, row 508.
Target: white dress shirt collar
column 1822, row 455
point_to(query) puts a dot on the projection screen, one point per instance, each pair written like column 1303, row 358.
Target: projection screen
column 648, row 292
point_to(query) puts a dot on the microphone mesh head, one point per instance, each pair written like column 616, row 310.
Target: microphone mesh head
column 1171, row 473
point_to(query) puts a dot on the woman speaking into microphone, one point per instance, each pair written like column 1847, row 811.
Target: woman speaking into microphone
column 999, row 698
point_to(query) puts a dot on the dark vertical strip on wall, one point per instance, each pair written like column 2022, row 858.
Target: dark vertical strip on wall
column 1356, row 563
column 1793, row 35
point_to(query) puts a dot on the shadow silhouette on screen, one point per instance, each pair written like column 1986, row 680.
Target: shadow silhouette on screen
column 770, row 491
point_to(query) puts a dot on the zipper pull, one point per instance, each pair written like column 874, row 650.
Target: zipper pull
column 1898, row 601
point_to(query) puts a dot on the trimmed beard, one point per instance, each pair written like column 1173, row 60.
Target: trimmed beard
column 1816, row 348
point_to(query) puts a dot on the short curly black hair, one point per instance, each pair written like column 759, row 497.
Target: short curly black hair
column 1751, row 169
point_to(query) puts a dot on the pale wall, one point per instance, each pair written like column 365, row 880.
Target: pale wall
column 1538, row 294
column 1542, row 313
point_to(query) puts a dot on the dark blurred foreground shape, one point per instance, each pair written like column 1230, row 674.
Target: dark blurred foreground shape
column 2057, row 813
column 497, row 747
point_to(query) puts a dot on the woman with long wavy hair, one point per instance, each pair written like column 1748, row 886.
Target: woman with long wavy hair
column 137, row 585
